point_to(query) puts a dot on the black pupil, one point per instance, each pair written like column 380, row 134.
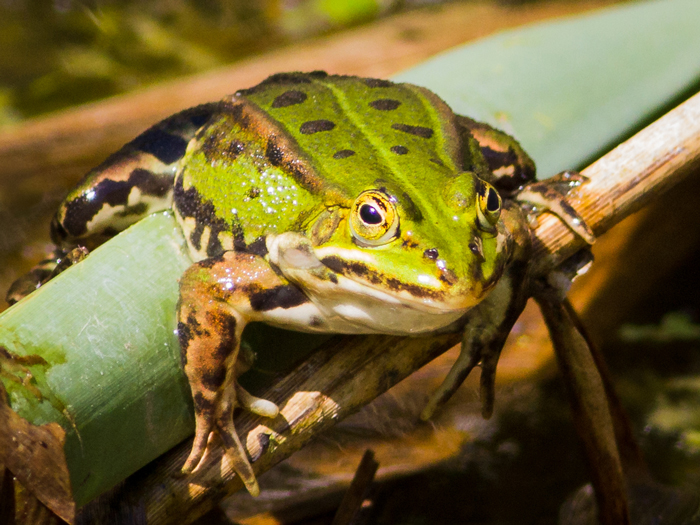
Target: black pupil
column 369, row 214
column 492, row 201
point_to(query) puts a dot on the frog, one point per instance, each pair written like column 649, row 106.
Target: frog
column 321, row 203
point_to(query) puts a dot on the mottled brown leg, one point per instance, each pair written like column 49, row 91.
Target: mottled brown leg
column 217, row 298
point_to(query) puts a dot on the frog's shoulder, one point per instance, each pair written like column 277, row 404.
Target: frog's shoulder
column 510, row 166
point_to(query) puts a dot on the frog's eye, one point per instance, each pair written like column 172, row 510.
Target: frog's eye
column 488, row 208
column 373, row 219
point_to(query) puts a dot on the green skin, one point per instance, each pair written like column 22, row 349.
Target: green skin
column 316, row 203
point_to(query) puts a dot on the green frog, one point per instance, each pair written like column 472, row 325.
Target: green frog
column 320, row 203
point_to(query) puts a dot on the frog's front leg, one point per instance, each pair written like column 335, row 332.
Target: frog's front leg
column 488, row 324
column 218, row 297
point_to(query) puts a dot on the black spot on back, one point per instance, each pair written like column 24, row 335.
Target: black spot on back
column 343, row 154
column 419, row 131
column 431, row 253
column 316, row 126
column 289, row 98
column 385, row 104
column 399, row 150
column 165, row 146
column 378, row 83
column 189, row 203
column 274, row 153
column 236, row 146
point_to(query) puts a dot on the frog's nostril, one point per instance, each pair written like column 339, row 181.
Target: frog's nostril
column 431, row 253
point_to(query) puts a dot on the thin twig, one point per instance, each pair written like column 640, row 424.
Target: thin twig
column 589, row 403
column 355, row 495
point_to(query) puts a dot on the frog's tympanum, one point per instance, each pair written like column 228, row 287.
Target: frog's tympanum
column 320, row 203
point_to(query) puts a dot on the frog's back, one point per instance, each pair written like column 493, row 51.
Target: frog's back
column 357, row 130
column 282, row 152
column 273, row 157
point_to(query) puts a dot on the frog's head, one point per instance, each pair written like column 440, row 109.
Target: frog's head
column 401, row 216
column 446, row 257
column 386, row 254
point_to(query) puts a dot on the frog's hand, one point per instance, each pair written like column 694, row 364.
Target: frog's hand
column 133, row 182
column 509, row 167
column 218, row 296
column 484, row 334
column 550, row 195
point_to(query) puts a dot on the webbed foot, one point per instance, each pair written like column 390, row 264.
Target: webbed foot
column 216, row 421
column 551, row 195
column 44, row 271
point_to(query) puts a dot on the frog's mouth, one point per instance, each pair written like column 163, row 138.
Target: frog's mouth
column 353, row 290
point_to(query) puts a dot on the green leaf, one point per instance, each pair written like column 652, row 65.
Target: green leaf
column 569, row 90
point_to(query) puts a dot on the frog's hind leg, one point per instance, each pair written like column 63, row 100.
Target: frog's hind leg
column 133, row 182
column 218, row 297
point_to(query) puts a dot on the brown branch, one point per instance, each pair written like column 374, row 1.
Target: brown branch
column 589, row 405
column 351, row 371
column 624, row 180
column 352, row 501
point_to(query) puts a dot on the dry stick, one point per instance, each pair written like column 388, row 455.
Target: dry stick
column 624, row 180
column 351, row 371
column 355, row 495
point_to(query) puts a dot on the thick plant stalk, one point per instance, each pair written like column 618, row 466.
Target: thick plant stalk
column 349, row 372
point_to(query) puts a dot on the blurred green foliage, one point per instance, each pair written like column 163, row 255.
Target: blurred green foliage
column 65, row 52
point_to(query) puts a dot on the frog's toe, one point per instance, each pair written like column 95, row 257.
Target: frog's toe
column 236, row 455
column 199, row 447
column 462, row 367
column 551, row 195
column 256, row 405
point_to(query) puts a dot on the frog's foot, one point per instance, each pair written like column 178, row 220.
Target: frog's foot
column 484, row 334
column 216, row 420
column 476, row 350
column 43, row 272
column 550, row 195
